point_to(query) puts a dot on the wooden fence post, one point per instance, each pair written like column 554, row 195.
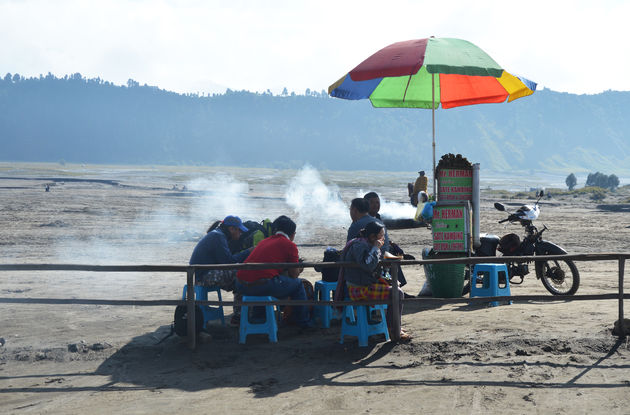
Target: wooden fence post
column 395, row 329
column 622, row 328
column 190, row 308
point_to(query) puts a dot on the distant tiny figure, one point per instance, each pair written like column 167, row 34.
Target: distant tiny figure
column 175, row 187
column 419, row 186
column 184, row 188
column 48, row 188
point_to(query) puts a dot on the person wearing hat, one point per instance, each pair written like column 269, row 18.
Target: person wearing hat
column 420, row 185
column 213, row 249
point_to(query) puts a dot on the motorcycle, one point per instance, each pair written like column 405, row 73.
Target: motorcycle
column 559, row 277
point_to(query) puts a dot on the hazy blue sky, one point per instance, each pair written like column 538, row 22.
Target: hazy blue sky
column 201, row 46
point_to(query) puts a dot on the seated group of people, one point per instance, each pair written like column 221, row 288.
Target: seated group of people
column 367, row 240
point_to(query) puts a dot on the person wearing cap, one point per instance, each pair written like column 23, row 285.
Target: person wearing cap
column 278, row 283
column 213, row 248
column 419, row 186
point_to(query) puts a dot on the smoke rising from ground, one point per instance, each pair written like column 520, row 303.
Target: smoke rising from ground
column 315, row 204
column 392, row 210
column 135, row 231
column 395, row 210
column 141, row 225
column 218, row 197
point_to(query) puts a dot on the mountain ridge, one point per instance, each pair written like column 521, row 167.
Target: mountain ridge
column 94, row 121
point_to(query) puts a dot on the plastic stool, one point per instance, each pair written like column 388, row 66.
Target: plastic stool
column 269, row 326
column 325, row 313
column 362, row 328
column 209, row 313
column 490, row 280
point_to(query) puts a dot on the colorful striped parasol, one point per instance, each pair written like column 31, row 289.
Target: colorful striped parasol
column 403, row 75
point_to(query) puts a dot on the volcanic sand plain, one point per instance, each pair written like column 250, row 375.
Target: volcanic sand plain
column 527, row 357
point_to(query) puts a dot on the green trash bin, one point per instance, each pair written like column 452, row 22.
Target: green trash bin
column 446, row 280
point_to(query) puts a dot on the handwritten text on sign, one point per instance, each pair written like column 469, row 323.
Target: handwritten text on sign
column 455, row 184
column 449, row 228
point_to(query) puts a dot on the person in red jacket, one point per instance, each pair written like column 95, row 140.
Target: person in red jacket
column 278, row 283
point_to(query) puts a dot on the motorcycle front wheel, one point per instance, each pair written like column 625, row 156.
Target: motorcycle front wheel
column 560, row 277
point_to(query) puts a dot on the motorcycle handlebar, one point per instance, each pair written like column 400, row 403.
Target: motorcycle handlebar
column 511, row 218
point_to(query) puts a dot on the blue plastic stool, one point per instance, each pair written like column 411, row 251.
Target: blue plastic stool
column 362, row 328
column 325, row 313
column 269, row 326
column 490, row 280
column 209, row 313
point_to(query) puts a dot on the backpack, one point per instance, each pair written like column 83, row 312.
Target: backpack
column 257, row 231
column 180, row 325
column 330, row 274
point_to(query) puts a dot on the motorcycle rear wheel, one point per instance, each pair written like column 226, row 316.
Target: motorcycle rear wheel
column 559, row 277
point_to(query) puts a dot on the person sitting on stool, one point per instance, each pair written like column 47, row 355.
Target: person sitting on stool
column 278, row 283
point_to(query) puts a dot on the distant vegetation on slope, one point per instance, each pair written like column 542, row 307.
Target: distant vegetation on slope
column 93, row 121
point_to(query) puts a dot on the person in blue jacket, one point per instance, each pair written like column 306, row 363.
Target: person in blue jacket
column 213, row 248
column 424, row 213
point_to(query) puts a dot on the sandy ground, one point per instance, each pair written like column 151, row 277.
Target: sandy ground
column 534, row 357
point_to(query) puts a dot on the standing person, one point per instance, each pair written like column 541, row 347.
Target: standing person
column 366, row 282
column 213, row 249
column 279, row 283
column 420, row 185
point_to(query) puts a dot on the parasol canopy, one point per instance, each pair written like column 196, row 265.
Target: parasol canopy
column 400, row 75
column 427, row 73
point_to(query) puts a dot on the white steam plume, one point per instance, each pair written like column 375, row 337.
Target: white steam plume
column 396, row 210
column 163, row 232
column 315, row 204
column 218, row 197
column 393, row 210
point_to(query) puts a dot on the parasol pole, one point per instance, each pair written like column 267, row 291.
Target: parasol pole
column 433, row 128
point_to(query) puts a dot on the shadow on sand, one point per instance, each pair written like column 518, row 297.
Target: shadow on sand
column 316, row 358
column 298, row 359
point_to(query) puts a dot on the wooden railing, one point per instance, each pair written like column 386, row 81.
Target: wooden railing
column 393, row 302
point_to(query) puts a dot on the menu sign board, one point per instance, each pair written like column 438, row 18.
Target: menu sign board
column 455, row 184
column 451, row 227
